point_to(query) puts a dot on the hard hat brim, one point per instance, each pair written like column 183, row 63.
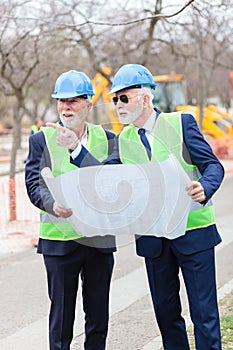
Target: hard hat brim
column 123, row 87
column 68, row 95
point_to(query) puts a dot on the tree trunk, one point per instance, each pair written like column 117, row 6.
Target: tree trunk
column 201, row 89
column 15, row 145
column 201, row 113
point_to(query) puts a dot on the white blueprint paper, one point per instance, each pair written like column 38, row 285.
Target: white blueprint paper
column 142, row 199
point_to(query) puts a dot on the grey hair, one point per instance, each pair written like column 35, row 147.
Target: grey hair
column 89, row 98
column 147, row 90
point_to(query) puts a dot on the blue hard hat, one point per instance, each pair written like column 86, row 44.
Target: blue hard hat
column 132, row 75
column 72, row 84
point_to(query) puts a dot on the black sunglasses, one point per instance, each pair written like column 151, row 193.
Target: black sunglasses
column 122, row 98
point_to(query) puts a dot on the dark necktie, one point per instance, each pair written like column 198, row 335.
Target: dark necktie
column 145, row 142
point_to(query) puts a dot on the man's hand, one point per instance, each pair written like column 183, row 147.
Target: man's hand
column 196, row 191
column 65, row 137
column 59, row 211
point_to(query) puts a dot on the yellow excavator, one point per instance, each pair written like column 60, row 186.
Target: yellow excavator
column 101, row 87
column 170, row 95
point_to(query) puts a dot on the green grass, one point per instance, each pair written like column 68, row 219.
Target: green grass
column 226, row 319
column 227, row 331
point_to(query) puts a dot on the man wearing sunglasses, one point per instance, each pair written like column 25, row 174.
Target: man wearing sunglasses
column 151, row 136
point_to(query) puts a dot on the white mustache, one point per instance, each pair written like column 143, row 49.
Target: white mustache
column 121, row 111
column 65, row 113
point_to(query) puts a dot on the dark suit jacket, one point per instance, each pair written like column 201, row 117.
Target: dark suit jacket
column 38, row 158
column 212, row 175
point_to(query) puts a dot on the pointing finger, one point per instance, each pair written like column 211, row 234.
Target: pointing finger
column 53, row 125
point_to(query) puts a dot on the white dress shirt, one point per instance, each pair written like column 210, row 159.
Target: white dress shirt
column 83, row 142
column 149, row 127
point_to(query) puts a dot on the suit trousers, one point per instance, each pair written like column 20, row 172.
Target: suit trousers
column 198, row 272
column 95, row 269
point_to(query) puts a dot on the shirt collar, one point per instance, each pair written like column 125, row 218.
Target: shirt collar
column 150, row 123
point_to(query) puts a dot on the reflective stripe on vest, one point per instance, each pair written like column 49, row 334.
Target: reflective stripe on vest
column 167, row 140
column 52, row 227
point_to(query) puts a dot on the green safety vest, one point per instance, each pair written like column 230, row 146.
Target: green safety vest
column 57, row 228
column 167, row 140
column 35, row 129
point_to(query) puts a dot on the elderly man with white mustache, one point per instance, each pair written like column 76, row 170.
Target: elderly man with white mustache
column 67, row 254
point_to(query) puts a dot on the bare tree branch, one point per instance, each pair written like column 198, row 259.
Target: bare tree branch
column 67, row 25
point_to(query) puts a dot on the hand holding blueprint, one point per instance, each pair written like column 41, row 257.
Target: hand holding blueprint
column 143, row 199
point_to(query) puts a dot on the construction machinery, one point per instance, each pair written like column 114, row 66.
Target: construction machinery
column 101, row 87
column 170, row 95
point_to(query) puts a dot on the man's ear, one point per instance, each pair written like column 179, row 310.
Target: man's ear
column 90, row 106
column 146, row 100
